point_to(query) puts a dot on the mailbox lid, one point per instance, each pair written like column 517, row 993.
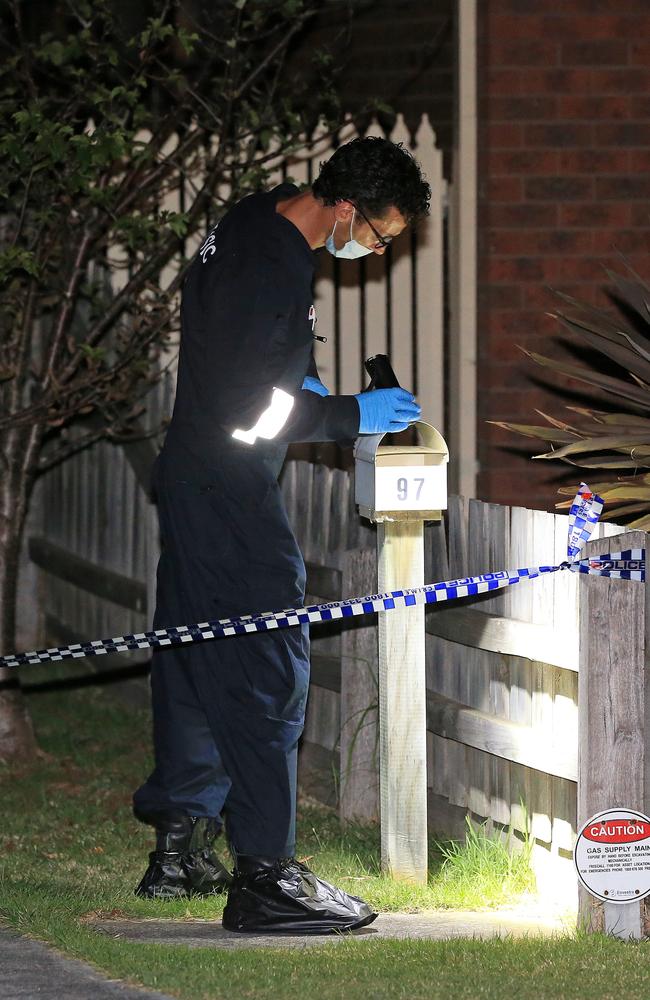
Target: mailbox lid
column 393, row 455
column 368, row 446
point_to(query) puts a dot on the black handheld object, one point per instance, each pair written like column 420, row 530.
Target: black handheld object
column 381, row 373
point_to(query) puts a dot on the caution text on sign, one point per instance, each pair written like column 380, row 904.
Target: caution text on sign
column 612, row 855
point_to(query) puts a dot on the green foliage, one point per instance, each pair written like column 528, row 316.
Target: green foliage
column 92, row 353
column 156, row 31
column 17, row 259
column 99, row 129
column 617, row 437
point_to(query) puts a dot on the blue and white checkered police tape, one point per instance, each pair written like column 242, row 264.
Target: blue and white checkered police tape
column 626, row 565
column 585, row 511
column 583, row 517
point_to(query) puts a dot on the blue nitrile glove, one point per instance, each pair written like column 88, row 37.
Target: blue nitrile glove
column 386, row 410
column 315, row 385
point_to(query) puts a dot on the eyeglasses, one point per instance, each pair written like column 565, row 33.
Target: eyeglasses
column 383, row 241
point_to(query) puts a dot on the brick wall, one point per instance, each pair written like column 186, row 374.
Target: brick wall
column 564, row 161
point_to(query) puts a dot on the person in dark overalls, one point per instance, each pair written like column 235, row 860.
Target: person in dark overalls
column 228, row 714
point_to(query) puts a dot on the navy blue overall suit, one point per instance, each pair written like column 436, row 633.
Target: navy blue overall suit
column 228, row 713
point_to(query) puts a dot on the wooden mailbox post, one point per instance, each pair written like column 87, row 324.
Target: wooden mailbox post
column 614, row 715
column 400, row 487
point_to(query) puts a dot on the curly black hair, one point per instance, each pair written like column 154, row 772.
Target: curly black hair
column 374, row 173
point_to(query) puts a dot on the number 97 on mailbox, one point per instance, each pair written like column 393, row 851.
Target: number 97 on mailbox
column 402, row 481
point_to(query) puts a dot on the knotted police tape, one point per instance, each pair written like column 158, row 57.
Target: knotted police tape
column 586, row 509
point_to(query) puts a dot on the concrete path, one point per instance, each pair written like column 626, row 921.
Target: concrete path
column 438, row 925
column 29, row 969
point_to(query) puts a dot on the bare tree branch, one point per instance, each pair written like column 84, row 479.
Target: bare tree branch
column 275, row 51
column 50, row 459
column 67, row 306
column 23, row 208
column 172, row 161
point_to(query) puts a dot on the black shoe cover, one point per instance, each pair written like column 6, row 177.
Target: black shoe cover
column 184, row 863
column 286, row 897
column 165, row 878
column 205, row 872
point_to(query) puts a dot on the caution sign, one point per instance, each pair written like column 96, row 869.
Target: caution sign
column 612, row 855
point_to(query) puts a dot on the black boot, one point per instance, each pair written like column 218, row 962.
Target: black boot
column 282, row 895
column 183, row 863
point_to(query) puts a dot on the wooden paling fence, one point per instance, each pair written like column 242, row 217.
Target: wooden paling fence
column 503, row 682
column 502, row 678
column 502, row 712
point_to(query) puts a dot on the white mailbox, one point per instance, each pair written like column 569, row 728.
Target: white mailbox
column 402, row 481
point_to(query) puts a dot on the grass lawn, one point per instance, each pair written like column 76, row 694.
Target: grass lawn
column 70, row 849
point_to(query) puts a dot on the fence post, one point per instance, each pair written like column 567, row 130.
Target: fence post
column 613, row 714
column 359, row 696
column 402, row 706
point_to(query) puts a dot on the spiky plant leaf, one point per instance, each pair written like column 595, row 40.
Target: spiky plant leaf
column 628, row 509
column 600, row 318
column 618, row 442
column 616, row 386
column 612, row 419
column 581, row 321
column 604, row 463
column 636, row 294
column 554, row 422
column 595, row 438
column 543, row 433
column 642, row 523
column 623, row 351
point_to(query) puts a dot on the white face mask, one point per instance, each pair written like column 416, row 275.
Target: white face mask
column 349, row 250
